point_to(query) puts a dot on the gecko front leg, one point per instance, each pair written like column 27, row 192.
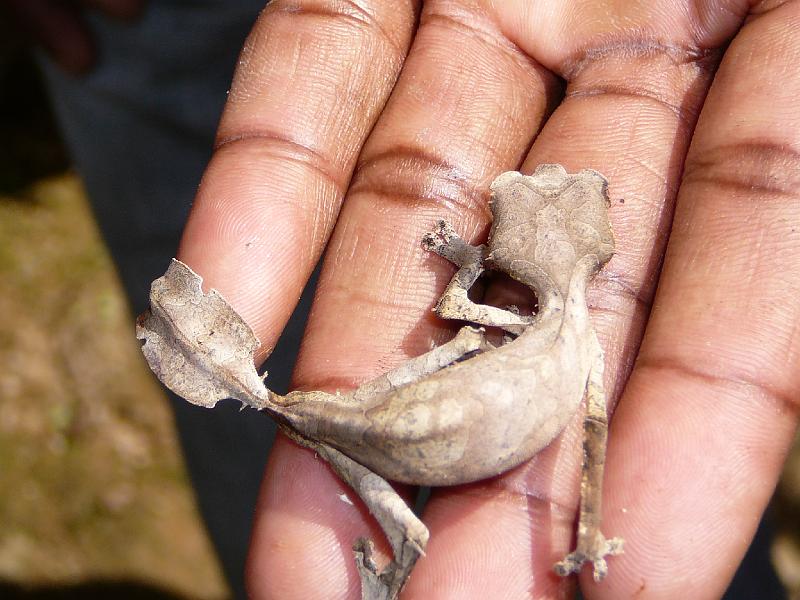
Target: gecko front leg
column 467, row 341
column 454, row 302
column 592, row 546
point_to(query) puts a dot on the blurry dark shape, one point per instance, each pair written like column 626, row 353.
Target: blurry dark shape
column 31, row 147
column 88, row 590
column 786, row 509
column 756, row 577
column 61, row 29
column 57, row 27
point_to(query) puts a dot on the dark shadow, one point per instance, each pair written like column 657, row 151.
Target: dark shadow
column 88, row 590
column 756, row 578
column 31, row 147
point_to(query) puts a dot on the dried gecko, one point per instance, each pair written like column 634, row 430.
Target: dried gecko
column 463, row 411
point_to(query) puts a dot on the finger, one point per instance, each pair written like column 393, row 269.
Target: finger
column 711, row 407
column 455, row 120
column 631, row 103
column 58, row 28
column 311, row 80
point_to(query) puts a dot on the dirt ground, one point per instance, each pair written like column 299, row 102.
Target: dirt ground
column 786, row 547
column 92, row 487
column 94, row 500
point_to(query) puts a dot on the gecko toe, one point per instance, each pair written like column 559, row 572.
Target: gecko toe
column 574, row 561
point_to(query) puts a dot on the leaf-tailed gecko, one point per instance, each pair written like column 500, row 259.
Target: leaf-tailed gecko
column 464, row 411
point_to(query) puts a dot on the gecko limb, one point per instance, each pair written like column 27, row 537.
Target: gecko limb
column 592, row 546
column 407, row 535
column 445, row 242
column 467, row 340
column 455, row 302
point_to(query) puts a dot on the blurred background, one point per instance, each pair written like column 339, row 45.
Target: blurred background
column 94, row 497
column 95, row 501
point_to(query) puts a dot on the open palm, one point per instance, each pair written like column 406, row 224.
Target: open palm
column 358, row 124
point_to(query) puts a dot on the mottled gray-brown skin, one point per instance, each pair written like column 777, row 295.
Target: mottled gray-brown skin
column 463, row 411
column 428, row 424
column 489, row 412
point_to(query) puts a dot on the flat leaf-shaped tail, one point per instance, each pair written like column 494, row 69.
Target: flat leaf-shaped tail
column 197, row 345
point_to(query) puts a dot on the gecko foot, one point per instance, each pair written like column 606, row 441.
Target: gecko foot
column 440, row 237
column 444, row 241
column 596, row 554
column 371, row 584
column 386, row 584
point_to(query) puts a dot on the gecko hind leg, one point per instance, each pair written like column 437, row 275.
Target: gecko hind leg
column 407, row 535
column 592, row 546
column 455, row 302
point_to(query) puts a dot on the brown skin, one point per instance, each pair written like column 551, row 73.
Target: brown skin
column 710, row 406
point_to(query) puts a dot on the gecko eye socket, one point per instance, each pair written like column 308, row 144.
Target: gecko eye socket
column 504, row 180
column 595, row 179
column 551, row 173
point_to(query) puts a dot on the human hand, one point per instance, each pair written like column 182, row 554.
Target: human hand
column 58, row 26
column 354, row 124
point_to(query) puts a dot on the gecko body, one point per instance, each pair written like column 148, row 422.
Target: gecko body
column 492, row 410
column 465, row 410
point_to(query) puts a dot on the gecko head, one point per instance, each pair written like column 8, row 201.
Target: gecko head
column 551, row 217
